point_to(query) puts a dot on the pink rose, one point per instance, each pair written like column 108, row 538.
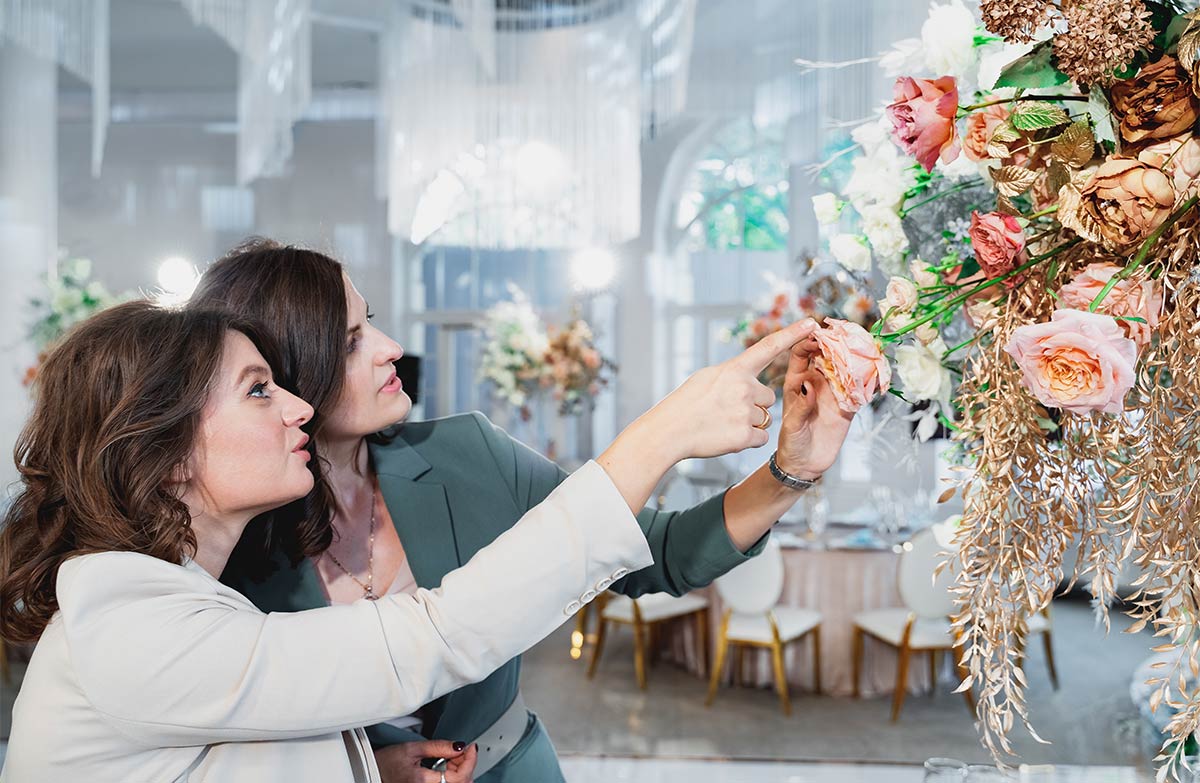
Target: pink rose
column 1080, row 362
column 852, row 363
column 902, row 294
column 1179, row 158
column 1127, row 298
column 980, row 127
column 999, row 243
column 922, row 115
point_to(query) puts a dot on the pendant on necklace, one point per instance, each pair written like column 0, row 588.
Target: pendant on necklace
column 370, row 596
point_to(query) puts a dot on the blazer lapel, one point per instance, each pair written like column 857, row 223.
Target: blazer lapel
column 420, row 512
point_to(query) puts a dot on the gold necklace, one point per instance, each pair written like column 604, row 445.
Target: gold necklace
column 369, row 586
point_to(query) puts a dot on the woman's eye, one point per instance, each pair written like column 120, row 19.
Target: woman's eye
column 259, row 390
column 370, row 315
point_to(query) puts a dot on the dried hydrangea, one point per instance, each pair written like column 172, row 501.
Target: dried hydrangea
column 1102, row 37
column 1015, row 21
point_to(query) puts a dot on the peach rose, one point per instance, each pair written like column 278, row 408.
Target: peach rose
column 999, row 243
column 1142, row 299
column 902, row 294
column 1123, row 202
column 1179, row 158
column 1079, row 361
column 980, row 127
column 852, row 363
column 922, row 115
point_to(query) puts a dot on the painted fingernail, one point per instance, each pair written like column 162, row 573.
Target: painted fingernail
column 459, row 747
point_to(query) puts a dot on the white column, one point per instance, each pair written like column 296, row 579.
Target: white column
column 28, row 222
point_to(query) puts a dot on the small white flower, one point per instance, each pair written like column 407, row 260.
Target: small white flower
column 960, row 168
column 851, row 252
column 828, row 208
column 921, row 371
column 873, row 135
column 884, row 231
column 905, row 58
column 927, row 334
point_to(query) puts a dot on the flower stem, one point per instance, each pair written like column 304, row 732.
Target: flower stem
column 1026, row 98
column 962, row 186
column 1143, row 251
column 1046, row 211
column 951, row 351
column 950, row 304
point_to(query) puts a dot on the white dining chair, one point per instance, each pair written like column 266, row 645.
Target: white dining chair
column 646, row 614
column 753, row 618
column 922, row 625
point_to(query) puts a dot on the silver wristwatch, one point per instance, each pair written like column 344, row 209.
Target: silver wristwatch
column 788, row 480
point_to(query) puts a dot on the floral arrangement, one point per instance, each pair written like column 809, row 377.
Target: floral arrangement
column 70, row 298
column 1031, row 191
column 825, row 294
column 522, row 357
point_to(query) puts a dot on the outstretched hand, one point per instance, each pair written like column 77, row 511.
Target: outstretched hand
column 814, row 426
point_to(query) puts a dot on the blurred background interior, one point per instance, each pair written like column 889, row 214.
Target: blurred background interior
column 643, row 165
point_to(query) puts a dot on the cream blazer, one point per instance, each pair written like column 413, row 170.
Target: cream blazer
column 157, row 672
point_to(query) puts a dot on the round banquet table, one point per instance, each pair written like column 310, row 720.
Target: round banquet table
column 846, row 572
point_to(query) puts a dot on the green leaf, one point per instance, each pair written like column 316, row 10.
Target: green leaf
column 1033, row 70
column 1035, row 115
column 1101, row 114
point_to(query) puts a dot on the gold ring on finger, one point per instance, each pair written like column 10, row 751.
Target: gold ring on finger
column 766, row 422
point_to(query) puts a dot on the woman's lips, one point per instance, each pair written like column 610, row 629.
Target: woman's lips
column 393, row 385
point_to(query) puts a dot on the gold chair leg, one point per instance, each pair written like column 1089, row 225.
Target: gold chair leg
column 601, row 628
column 781, row 686
column 816, row 645
column 719, row 664
column 639, row 654
column 858, row 656
column 1050, row 659
column 579, row 635
column 901, row 682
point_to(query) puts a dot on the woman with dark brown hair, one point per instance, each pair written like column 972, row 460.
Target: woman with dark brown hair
column 395, row 508
column 156, row 436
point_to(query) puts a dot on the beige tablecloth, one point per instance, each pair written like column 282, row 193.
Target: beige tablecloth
column 838, row 583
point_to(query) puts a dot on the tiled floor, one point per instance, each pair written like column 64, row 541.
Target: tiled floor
column 586, row 769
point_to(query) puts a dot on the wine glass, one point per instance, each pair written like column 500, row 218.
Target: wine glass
column 940, row 770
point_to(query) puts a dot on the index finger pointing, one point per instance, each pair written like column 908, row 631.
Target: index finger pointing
column 758, row 356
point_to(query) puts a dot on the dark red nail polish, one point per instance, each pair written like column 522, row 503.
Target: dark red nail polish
column 459, row 747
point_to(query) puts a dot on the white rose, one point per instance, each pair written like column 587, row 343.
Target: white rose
column 881, row 177
column 851, row 252
column 922, row 274
column 904, row 58
column 921, row 371
column 982, row 314
column 896, row 320
column 873, row 135
column 948, row 38
column 884, row 231
column 828, row 208
column 902, row 294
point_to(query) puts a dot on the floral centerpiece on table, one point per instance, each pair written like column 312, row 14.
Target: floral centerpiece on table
column 575, row 367
column 523, row 358
column 70, row 298
column 1044, row 295
column 514, row 351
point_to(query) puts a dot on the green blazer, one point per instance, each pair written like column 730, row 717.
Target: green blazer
column 452, row 486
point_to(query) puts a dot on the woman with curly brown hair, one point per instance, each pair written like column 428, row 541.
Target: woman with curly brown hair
column 156, row 436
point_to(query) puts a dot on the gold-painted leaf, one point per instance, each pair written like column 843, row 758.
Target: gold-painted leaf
column 1189, row 42
column 1005, row 205
column 942, row 498
column 1056, row 177
column 1075, row 145
column 1012, row 181
column 1072, row 215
